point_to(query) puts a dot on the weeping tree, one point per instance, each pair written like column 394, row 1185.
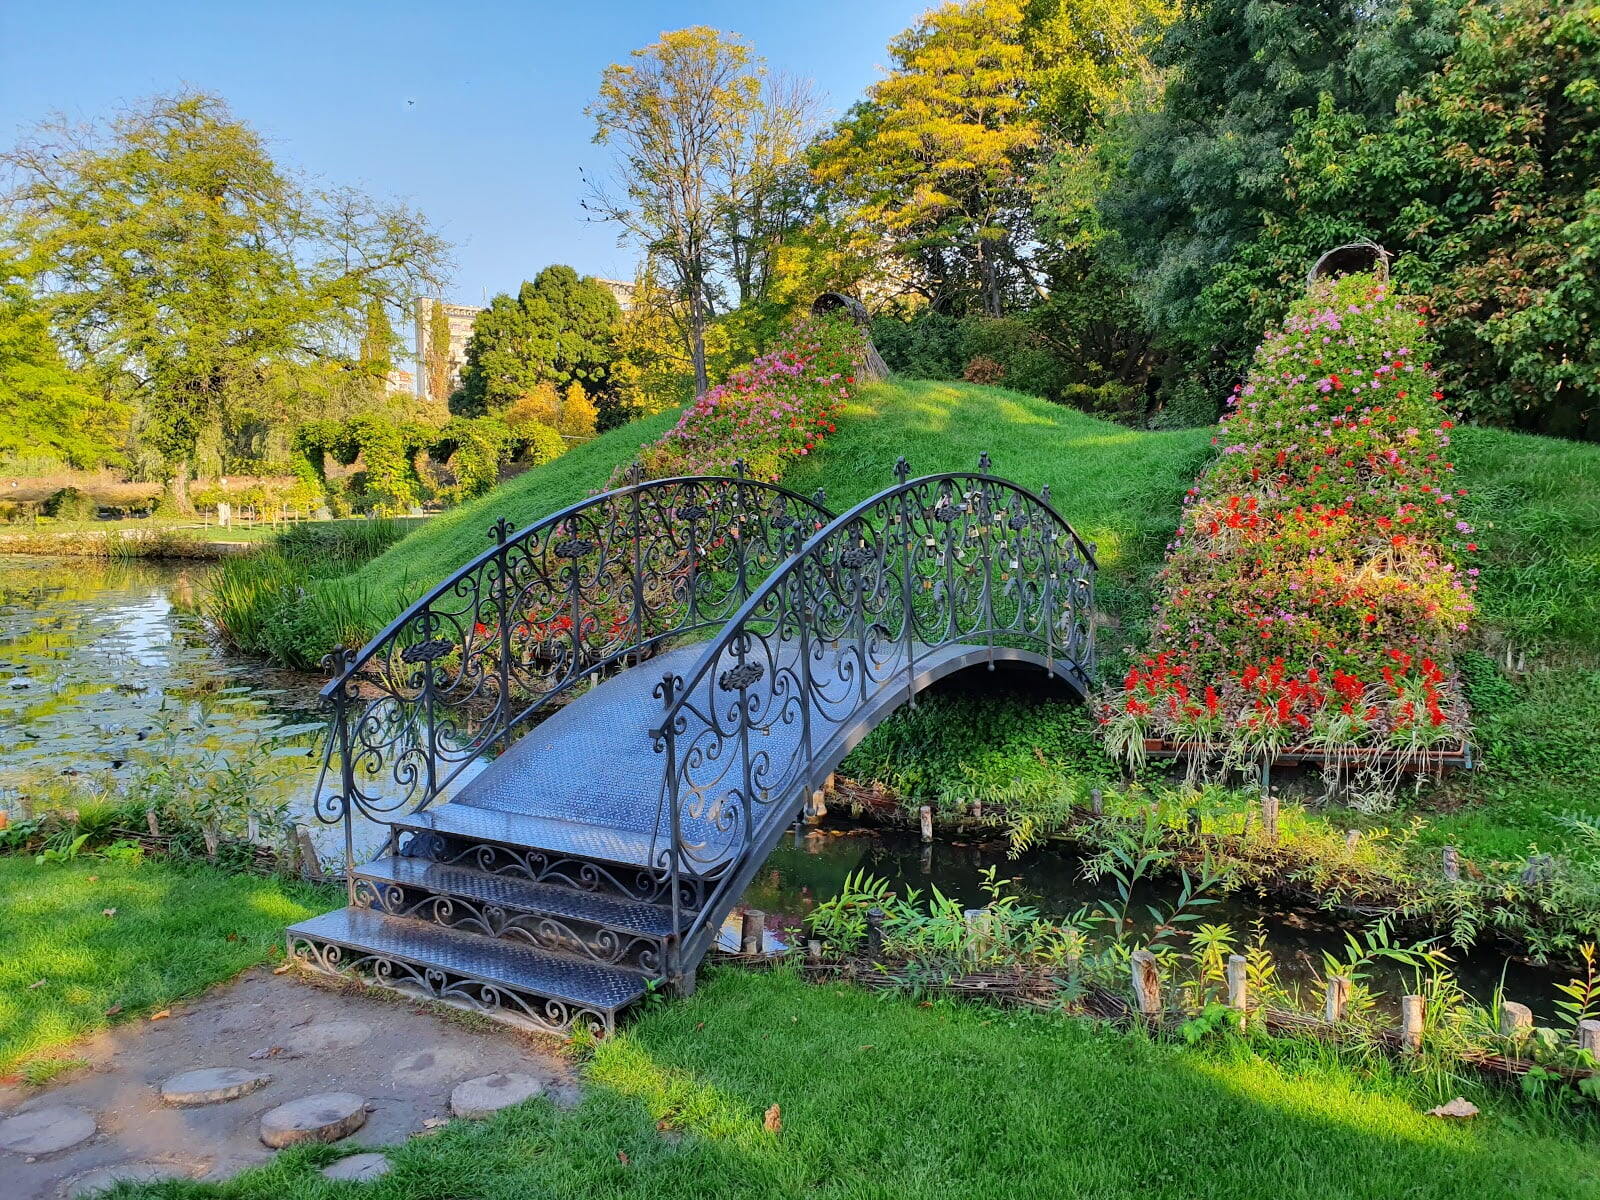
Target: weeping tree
column 182, row 265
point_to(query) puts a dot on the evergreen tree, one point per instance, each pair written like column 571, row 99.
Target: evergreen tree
column 558, row 329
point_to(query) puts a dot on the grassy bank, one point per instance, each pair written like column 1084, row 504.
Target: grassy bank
column 880, row 1097
column 93, row 941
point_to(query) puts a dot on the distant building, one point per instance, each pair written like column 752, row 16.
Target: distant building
column 398, row 380
column 622, row 291
column 460, row 318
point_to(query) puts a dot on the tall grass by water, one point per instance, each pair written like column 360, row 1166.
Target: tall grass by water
column 293, row 601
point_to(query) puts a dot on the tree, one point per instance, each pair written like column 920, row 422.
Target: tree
column 1201, row 172
column 46, row 406
column 558, row 329
column 436, row 355
column 935, row 159
column 1482, row 183
column 377, row 350
column 178, row 261
column 707, row 163
column 578, row 413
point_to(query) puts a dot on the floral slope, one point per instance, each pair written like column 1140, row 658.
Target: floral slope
column 1314, row 592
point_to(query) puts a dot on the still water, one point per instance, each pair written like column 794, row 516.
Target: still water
column 103, row 661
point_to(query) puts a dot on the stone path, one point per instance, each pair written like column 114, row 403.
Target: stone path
column 266, row 1059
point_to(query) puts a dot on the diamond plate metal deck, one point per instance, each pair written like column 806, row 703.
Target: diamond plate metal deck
column 492, row 960
column 519, row 895
column 528, row 832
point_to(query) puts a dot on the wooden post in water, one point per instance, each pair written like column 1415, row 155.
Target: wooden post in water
column 752, row 931
column 1336, row 1003
column 1516, row 1020
column 1238, row 983
column 874, row 932
column 1589, row 1037
column 1452, row 865
column 926, row 815
column 1146, row 983
column 1411, row 1023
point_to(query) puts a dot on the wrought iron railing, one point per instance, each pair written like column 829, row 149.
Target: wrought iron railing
column 599, row 585
column 967, row 566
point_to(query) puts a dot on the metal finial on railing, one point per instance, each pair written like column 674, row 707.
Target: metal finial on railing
column 820, row 497
column 740, row 467
column 1044, row 493
column 983, row 462
column 636, row 471
column 337, row 659
column 902, row 469
column 501, row 530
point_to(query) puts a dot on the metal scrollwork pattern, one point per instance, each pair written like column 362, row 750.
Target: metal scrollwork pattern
column 469, row 667
column 970, row 563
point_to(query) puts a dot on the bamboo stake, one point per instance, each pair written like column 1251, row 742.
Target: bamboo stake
column 1452, row 865
column 1097, row 806
column 926, row 815
column 1411, row 1023
column 1146, row 983
column 752, row 935
column 1336, row 1003
column 1516, row 1020
column 874, row 932
column 1238, row 983
column 1269, row 815
column 1589, row 1037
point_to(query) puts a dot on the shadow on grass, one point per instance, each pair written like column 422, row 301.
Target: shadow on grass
column 887, row 1098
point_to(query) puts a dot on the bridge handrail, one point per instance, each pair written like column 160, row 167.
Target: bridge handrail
column 891, row 558
column 468, row 662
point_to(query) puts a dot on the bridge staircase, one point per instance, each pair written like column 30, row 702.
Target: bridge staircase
column 575, row 753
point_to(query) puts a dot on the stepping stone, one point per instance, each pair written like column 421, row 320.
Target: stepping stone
column 324, row 1118
column 480, row 1098
column 326, row 1036
column 358, row 1167
column 429, row 1067
column 103, row 1179
column 46, row 1130
column 212, row 1085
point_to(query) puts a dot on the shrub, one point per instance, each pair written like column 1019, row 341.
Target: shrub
column 1312, row 595
column 766, row 414
column 71, row 504
column 927, row 345
column 984, row 370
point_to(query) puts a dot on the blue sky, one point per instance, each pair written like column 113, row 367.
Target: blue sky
column 471, row 111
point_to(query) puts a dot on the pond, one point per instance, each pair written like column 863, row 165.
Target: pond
column 98, row 658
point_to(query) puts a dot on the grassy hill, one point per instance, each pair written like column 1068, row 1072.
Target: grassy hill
column 1120, row 487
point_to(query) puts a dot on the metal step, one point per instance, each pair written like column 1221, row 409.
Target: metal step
column 505, row 980
column 523, row 832
column 591, row 926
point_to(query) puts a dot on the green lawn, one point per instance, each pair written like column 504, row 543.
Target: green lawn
column 172, row 932
column 1121, row 488
column 887, row 1098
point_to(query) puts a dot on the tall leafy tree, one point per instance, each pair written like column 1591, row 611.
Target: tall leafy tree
column 46, row 406
column 1483, row 184
column 181, row 263
column 436, row 354
column 1202, row 171
column 707, row 149
column 934, row 160
column 559, row 329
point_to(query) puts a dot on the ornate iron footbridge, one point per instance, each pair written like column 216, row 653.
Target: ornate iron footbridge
column 578, row 750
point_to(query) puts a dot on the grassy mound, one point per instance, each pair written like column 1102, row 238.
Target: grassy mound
column 1120, row 488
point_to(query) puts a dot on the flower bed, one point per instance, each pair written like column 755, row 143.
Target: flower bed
column 776, row 409
column 1313, row 594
